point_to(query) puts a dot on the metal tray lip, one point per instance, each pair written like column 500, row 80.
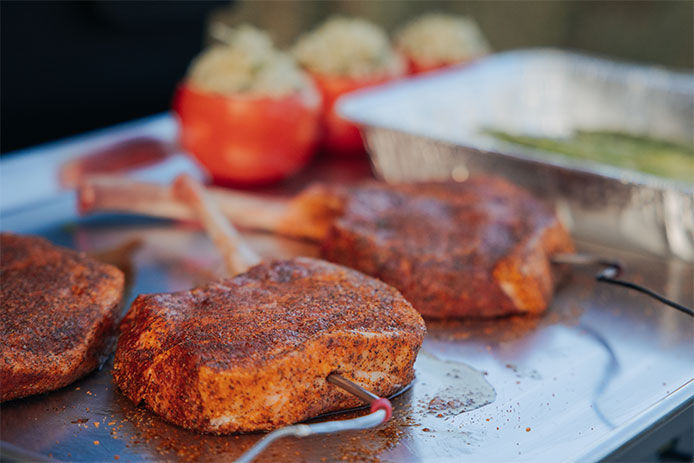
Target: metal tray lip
column 114, row 130
column 10, row 452
column 633, row 428
column 353, row 107
column 560, row 162
column 45, row 159
column 48, row 156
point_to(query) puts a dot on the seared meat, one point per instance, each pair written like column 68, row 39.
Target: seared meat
column 480, row 248
column 253, row 352
column 59, row 313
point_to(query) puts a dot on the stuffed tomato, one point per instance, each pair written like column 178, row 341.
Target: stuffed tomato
column 247, row 113
column 343, row 55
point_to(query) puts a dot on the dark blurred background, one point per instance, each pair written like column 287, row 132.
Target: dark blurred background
column 69, row 67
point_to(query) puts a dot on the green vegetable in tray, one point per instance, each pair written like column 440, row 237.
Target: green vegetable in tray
column 649, row 155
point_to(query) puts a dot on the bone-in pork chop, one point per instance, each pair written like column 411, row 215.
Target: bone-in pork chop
column 59, row 314
column 479, row 248
column 253, row 352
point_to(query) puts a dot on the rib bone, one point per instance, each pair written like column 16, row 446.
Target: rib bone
column 238, row 256
column 308, row 216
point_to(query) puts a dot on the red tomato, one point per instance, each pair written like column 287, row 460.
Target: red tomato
column 248, row 140
column 340, row 136
column 415, row 67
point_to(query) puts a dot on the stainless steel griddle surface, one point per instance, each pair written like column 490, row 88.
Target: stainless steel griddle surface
column 601, row 366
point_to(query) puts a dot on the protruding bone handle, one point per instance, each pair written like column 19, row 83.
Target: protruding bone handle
column 121, row 194
column 309, row 216
column 237, row 255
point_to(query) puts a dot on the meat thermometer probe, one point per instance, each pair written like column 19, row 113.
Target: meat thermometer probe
column 238, row 257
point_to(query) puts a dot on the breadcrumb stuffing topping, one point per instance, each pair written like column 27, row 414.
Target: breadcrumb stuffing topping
column 246, row 63
column 350, row 47
column 439, row 38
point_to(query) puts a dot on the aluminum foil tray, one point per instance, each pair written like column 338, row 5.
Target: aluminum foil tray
column 432, row 128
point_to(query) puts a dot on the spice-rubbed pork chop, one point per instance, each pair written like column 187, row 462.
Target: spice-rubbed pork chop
column 59, row 311
column 253, row 352
column 478, row 248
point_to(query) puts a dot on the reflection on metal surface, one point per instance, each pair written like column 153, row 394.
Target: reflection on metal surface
column 544, row 372
column 116, row 158
column 460, row 388
column 610, row 370
column 122, row 257
column 544, row 369
column 428, row 128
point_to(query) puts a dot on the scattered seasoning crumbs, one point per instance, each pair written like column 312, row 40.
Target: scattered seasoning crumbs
column 426, row 429
column 96, row 424
column 78, row 388
column 116, row 457
column 497, row 428
column 488, row 420
column 96, row 442
column 111, row 423
column 527, row 429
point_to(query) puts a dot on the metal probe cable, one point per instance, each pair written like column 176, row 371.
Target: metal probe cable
column 612, row 269
column 380, row 412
